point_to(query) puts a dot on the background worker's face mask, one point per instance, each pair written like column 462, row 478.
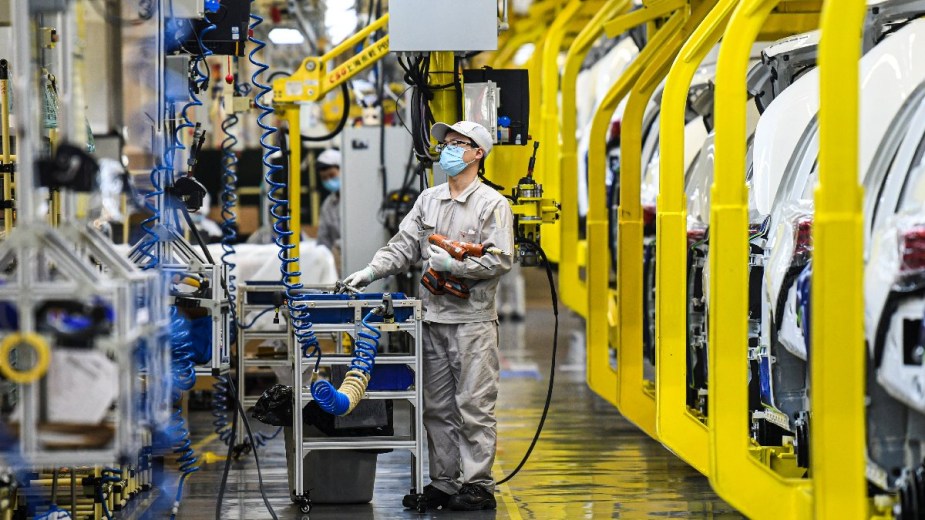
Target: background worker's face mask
column 332, row 184
column 451, row 160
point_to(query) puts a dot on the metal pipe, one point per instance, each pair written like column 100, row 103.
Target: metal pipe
column 838, row 375
column 504, row 20
column 6, row 178
column 27, row 116
column 295, row 185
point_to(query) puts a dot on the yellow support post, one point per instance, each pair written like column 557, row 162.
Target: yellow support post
column 547, row 160
column 7, row 159
column 837, row 435
column 736, row 474
column 295, row 187
column 637, row 396
column 682, row 432
column 602, row 312
column 444, row 106
column 572, row 288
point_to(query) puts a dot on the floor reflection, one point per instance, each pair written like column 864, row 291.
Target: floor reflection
column 590, row 462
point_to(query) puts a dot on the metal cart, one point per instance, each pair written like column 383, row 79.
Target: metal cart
column 356, row 309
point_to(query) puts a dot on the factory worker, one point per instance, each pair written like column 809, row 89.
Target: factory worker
column 460, row 380
column 329, row 217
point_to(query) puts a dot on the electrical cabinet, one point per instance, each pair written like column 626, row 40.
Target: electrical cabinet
column 443, row 25
column 361, row 191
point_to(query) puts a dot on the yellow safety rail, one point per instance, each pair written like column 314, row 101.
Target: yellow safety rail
column 737, row 475
column 572, row 288
column 677, row 428
column 524, row 29
column 601, row 324
column 838, row 372
column 637, row 395
column 548, row 135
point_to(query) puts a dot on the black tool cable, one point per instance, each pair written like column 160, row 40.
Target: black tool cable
column 552, row 366
column 345, row 94
column 234, row 396
column 228, row 455
column 250, row 435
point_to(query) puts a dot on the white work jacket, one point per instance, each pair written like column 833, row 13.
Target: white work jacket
column 479, row 215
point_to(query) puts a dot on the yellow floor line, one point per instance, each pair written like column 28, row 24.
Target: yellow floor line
column 209, row 438
column 513, row 512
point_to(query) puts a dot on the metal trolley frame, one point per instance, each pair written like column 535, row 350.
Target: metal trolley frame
column 413, row 443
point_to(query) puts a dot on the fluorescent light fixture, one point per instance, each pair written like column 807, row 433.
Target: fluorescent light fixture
column 286, row 36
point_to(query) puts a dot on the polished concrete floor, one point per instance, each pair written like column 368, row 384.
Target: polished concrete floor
column 589, row 463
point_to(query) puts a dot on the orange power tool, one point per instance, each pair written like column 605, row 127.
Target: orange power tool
column 444, row 283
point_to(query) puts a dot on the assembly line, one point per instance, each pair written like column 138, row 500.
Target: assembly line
column 488, row 259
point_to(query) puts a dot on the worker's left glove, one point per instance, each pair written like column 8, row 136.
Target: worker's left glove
column 441, row 260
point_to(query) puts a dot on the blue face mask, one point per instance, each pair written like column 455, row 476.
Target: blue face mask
column 332, row 185
column 451, row 160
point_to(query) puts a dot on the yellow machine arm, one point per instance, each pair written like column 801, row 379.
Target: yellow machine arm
column 312, row 80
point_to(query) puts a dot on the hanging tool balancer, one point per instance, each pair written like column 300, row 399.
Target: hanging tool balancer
column 531, row 211
column 445, row 283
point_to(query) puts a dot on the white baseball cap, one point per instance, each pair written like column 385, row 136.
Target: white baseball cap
column 330, row 157
column 473, row 131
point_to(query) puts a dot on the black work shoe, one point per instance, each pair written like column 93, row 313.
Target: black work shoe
column 473, row 497
column 433, row 498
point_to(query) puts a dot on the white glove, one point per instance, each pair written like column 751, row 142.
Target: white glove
column 441, row 260
column 361, row 278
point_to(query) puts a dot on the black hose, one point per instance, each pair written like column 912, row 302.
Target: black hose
column 250, row 436
column 552, row 366
column 345, row 93
column 228, row 455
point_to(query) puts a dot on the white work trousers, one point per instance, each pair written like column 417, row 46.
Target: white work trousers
column 460, row 389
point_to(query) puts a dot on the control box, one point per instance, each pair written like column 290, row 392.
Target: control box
column 443, row 25
column 499, row 100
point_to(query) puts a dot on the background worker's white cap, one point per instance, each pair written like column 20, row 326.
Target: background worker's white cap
column 329, row 157
column 474, row 131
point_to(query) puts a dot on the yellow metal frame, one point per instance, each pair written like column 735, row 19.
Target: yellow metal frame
column 548, row 135
column 602, row 320
column 683, row 433
column 637, row 395
column 310, row 83
column 312, row 80
column 838, row 371
column 572, row 288
column 736, row 474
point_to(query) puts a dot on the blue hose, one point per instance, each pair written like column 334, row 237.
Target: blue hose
column 334, row 401
column 183, row 369
column 229, row 217
column 279, row 209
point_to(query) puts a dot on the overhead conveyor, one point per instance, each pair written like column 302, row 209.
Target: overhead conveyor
column 838, row 443
column 683, row 431
column 741, row 472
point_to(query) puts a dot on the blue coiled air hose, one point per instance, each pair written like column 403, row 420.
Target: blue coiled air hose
column 183, row 369
column 289, row 259
column 342, row 402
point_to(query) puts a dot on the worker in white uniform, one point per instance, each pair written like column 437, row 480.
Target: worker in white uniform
column 329, row 216
column 460, row 335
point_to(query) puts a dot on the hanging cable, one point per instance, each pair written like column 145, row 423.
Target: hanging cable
column 183, row 369
column 352, row 390
column 552, row 366
column 345, row 116
column 229, row 199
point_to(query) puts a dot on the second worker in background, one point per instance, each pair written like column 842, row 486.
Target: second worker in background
column 461, row 372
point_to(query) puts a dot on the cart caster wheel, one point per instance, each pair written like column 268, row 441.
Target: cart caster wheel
column 305, row 507
column 421, row 505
